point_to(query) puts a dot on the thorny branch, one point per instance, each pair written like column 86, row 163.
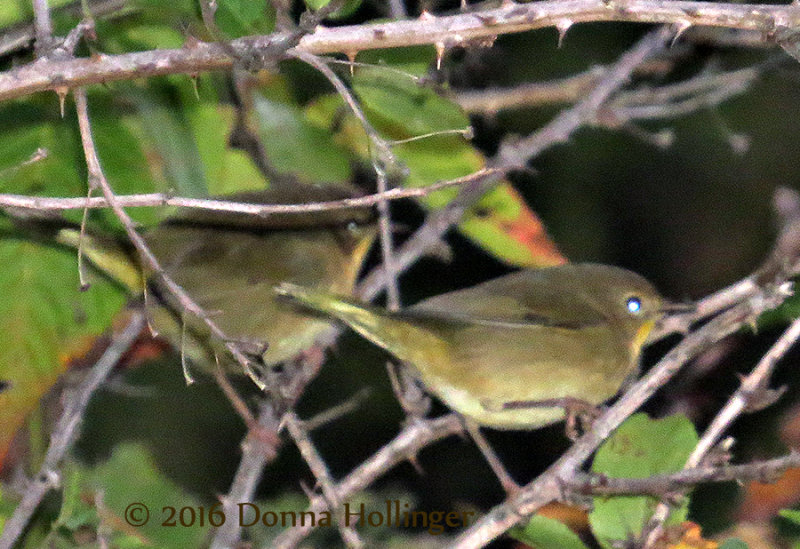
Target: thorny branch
column 256, row 454
column 775, row 22
column 319, row 468
column 753, row 394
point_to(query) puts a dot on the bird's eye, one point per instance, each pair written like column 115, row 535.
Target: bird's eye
column 634, row 305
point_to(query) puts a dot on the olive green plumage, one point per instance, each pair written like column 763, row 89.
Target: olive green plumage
column 229, row 263
column 569, row 331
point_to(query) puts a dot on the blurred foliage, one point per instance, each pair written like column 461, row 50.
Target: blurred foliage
column 692, row 217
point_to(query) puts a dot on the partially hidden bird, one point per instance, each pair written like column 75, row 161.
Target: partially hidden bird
column 229, row 263
column 505, row 351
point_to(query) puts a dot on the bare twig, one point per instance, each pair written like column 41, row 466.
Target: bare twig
column 407, row 443
column 255, row 455
column 384, row 160
column 397, row 9
column 661, row 485
column 20, row 36
column 669, row 101
column 332, row 414
column 490, row 101
column 517, row 154
column 532, row 94
column 703, row 91
column 43, row 27
column 41, row 203
column 36, row 156
column 387, row 245
column 66, row 430
column 325, row 481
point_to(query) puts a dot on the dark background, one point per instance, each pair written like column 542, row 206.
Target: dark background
column 692, row 218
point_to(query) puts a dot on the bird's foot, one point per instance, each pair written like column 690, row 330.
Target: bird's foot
column 579, row 413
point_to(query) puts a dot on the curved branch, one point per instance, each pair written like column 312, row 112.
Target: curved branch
column 775, row 22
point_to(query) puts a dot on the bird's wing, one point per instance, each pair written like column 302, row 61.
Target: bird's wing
column 525, row 298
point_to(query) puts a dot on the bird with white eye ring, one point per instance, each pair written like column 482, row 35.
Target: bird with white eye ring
column 506, row 353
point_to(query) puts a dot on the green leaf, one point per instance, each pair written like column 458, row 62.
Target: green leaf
column 787, row 312
column 641, row 447
column 503, row 224
column 38, row 124
column 186, row 138
column 141, row 37
column 6, row 508
column 414, row 61
column 167, row 131
column 348, row 8
column 401, row 108
column 15, row 12
column 28, row 126
column 792, row 515
column 75, row 511
column 238, row 18
column 295, row 146
column 44, row 320
column 546, row 533
column 131, row 477
column 172, row 12
column 211, row 122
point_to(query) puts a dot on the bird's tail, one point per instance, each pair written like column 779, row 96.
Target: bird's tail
column 397, row 336
column 107, row 254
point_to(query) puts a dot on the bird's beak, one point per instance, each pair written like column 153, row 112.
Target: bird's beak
column 671, row 307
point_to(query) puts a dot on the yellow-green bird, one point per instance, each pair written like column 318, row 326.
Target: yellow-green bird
column 493, row 351
column 229, row 263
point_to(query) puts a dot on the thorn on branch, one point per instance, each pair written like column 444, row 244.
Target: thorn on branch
column 679, row 27
column 562, row 26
